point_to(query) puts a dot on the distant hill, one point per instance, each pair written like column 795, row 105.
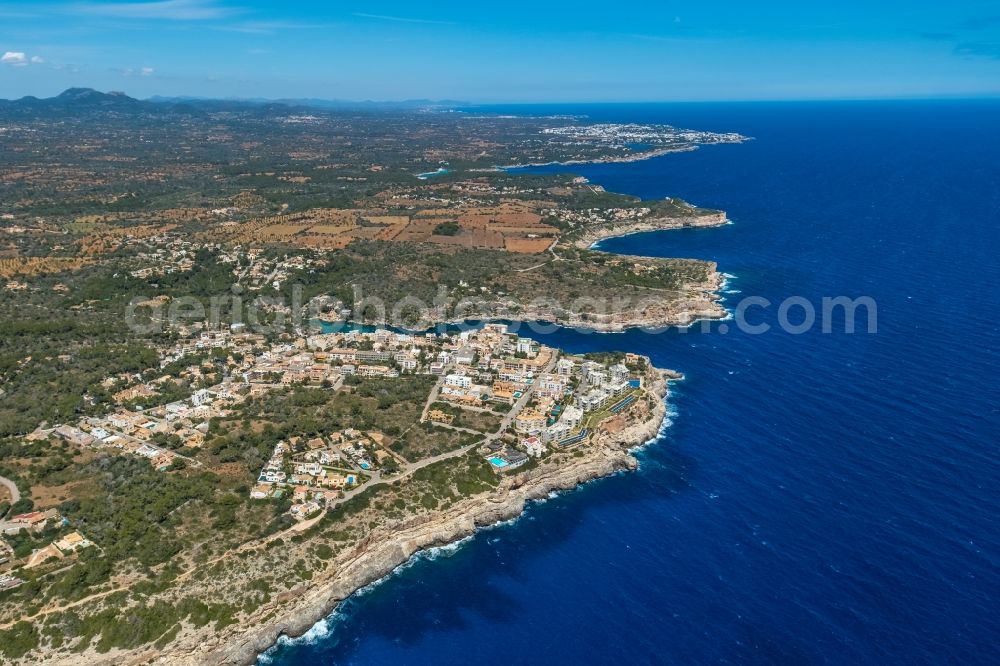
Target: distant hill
column 91, row 96
column 408, row 104
column 85, row 101
column 78, row 97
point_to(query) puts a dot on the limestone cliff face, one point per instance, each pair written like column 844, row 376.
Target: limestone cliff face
column 698, row 301
column 604, row 231
column 376, row 556
column 380, row 553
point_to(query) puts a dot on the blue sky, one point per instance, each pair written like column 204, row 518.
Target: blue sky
column 512, row 51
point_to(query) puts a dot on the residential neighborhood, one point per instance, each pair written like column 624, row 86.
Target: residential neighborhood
column 504, row 396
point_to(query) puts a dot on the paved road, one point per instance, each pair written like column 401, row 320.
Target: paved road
column 15, row 494
column 410, row 468
column 481, row 410
column 448, row 426
column 376, row 479
column 523, row 400
column 435, row 391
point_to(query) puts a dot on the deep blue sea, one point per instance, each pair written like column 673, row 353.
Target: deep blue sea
column 819, row 498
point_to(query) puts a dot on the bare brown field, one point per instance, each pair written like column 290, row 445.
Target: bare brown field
column 512, row 219
column 324, row 242
column 330, row 229
column 527, row 245
column 511, row 226
column 279, row 231
column 391, row 232
column 46, row 497
column 475, row 238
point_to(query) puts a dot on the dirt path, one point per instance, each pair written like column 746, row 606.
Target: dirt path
column 435, row 392
column 63, row 607
column 298, row 527
column 409, row 469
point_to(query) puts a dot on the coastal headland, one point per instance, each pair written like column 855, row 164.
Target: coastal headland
column 198, row 471
column 594, row 235
column 381, row 553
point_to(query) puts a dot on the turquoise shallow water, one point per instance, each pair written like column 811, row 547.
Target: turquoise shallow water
column 819, row 499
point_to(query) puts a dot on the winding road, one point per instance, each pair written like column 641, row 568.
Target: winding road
column 410, row 468
column 376, row 479
column 15, row 494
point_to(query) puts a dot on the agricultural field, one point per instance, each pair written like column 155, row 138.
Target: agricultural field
column 512, row 226
column 28, row 266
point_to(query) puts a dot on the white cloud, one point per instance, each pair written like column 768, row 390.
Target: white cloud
column 142, row 71
column 174, row 10
column 37, row 60
column 15, row 58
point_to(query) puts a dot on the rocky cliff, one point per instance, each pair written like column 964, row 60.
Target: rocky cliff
column 600, row 232
column 381, row 552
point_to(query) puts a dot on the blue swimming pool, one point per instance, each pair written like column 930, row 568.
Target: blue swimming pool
column 497, row 461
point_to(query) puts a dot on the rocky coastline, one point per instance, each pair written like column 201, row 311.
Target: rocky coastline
column 700, row 300
column 294, row 613
column 598, row 233
column 381, row 552
column 608, row 159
